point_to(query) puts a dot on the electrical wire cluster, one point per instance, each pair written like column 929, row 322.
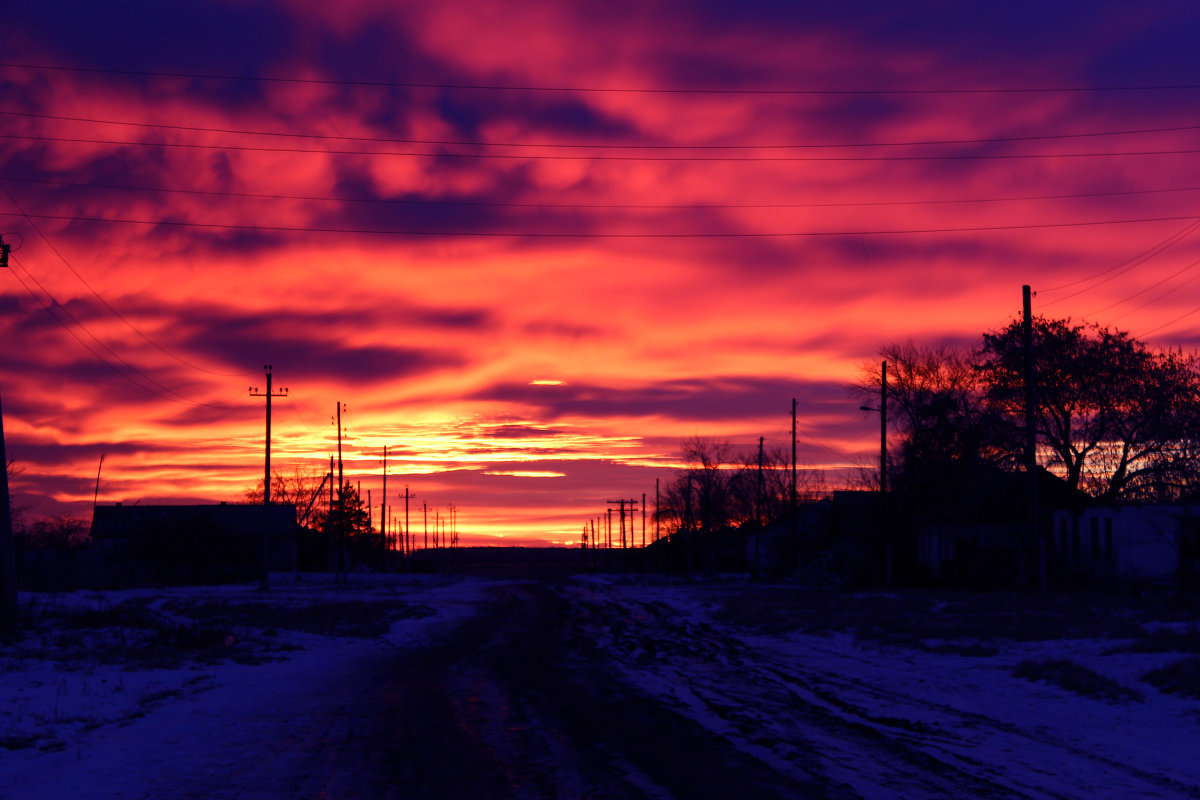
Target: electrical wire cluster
column 1103, row 146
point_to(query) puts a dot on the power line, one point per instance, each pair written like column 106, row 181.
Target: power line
column 104, row 302
column 49, row 308
column 303, row 421
column 603, row 145
column 813, row 441
column 589, row 157
column 610, row 89
column 576, row 235
column 1172, row 322
column 1145, row 290
column 1125, row 266
column 1160, row 296
column 162, row 390
column 600, row 206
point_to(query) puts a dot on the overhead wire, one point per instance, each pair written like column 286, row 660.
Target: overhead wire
column 1169, row 323
column 296, row 409
column 814, row 441
column 155, row 387
column 37, row 229
column 592, row 157
column 1117, row 269
column 1151, row 287
column 1160, row 296
column 581, row 235
column 596, row 206
column 611, row 89
column 601, row 145
column 1125, row 266
column 49, row 308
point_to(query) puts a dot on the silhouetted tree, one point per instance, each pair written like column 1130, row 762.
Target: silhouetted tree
column 1120, row 420
column 60, row 532
column 299, row 485
column 948, row 435
column 708, row 461
column 761, row 496
column 719, row 489
column 351, row 519
column 698, row 504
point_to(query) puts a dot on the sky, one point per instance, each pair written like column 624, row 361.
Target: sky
column 533, row 247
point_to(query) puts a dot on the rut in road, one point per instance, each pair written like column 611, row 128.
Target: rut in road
column 602, row 690
column 512, row 706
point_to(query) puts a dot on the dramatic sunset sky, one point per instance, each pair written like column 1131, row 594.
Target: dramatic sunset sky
column 534, row 246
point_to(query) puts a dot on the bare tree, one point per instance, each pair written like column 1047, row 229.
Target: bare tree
column 761, row 493
column 60, row 532
column 949, row 438
column 302, row 485
column 709, row 474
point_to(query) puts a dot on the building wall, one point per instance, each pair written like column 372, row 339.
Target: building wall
column 1124, row 543
column 197, row 540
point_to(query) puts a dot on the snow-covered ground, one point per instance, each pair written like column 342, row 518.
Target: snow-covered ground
column 162, row 693
column 868, row 710
column 125, row 694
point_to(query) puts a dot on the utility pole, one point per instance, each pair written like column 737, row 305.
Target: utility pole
column 407, row 539
column 795, row 519
column 383, row 504
column 657, row 515
column 341, row 474
column 608, row 537
column 690, row 532
column 254, row 392
column 883, row 503
column 762, row 484
column 371, row 525
column 329, row 522
column 1031, row 437
column 625, row 543
column 266, row 538
column 8, row 557
column 96, row 494
column 885, row 531
column 341, row 499
column 762, row 487
column 425, row 517
column 662, row 551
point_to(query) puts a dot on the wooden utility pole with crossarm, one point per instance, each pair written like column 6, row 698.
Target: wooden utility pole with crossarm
column 266, row 533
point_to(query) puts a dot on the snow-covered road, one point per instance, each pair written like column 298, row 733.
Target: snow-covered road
column 594, row 687
column 883, row 722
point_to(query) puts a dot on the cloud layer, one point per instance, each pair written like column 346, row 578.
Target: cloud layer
column 533, row 248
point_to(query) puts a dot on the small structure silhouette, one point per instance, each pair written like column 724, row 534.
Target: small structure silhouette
column 192, row 543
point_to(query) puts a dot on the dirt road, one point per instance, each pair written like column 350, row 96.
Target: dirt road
column 519, row 703
column 624, row 688
column 576, row 691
